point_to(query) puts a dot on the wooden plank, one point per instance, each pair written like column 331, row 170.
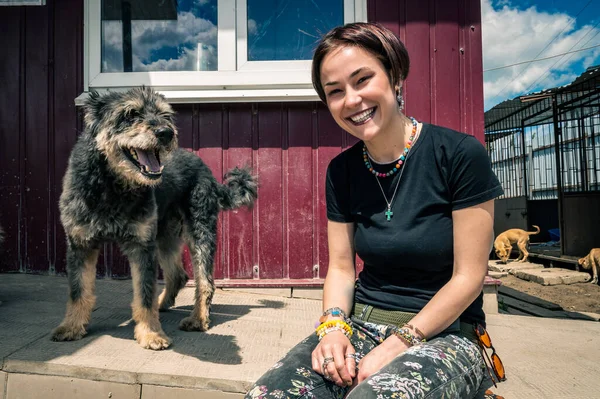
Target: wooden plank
column 11, row 136
column 270, row 203
column 529, row 308
column 238, row 151
column 572, row 260
column 35, row 190
column 511, row 292
column 67, row 84
column 299, row 192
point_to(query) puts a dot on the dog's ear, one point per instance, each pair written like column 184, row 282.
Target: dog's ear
column 581, row 261
column 92, row 108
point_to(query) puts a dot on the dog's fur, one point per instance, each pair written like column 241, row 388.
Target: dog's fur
column 115, row 190
column 592, row 260
column 504, row 242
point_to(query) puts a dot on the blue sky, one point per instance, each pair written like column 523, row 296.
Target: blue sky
column 515, row 31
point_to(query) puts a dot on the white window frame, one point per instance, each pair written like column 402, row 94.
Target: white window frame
column 236, row 80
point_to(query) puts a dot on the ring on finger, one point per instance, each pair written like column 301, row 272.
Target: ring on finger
column 352, row 356
column 326, row 361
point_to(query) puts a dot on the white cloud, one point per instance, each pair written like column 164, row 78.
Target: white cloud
column 148, row 37
column 512, row 35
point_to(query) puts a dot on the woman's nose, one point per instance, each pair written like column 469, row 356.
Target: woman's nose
column 353, row 98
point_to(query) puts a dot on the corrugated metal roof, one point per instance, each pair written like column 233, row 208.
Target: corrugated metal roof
column 577, row 99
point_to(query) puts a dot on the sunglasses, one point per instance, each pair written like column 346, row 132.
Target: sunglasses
column 486, row 342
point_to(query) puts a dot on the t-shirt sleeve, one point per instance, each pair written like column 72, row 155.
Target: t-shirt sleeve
column 472, row 180
column 337, row 192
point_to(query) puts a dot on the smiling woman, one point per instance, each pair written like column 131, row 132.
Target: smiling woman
column 415, row 202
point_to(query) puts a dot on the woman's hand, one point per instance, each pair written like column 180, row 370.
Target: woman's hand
column 332, row 351
column 379, row 357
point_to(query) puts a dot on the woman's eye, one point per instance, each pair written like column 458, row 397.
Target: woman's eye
column 335, row 91
column 364, row 79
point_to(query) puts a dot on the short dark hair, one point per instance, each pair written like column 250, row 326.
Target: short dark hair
column 370, row 36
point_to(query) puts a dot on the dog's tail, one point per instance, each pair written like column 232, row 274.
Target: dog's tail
column 239, row 189
column 534, row 232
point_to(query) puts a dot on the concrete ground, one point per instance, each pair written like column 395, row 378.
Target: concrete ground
column 544, row 358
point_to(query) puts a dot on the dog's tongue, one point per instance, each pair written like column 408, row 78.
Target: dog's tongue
column 148, row 158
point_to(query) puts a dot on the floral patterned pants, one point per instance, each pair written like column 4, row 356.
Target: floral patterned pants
column 448, row 366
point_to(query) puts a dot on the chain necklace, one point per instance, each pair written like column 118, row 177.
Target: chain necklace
column 389, row 203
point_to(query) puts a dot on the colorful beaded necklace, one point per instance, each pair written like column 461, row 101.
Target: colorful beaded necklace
column 401, row 161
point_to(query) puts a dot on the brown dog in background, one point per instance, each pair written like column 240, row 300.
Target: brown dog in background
column 591, row 261
column 504, row 242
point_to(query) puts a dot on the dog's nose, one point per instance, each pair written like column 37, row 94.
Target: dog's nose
column 164, row 135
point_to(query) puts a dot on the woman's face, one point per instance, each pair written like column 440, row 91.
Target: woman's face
column 358, row 92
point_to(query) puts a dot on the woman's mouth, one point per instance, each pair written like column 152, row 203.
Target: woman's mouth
column 362, row 117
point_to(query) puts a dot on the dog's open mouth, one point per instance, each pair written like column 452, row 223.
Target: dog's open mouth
column 148, row 161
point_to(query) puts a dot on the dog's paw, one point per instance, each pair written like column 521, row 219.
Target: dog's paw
column 193, row 324
column 154, row 340
column 594, row 280
column 67, row 333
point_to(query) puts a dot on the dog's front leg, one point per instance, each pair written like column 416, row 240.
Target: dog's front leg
column 148, row 331
column 594, row 265
column 81, row 273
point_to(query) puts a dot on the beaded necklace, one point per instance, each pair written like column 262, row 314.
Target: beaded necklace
column 397, row 167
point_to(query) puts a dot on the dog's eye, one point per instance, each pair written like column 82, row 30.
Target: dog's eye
column 134, row 113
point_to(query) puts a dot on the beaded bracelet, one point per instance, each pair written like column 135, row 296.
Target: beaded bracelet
column 334, row 325
column 334, row 312
column 415, row 329
column 326, row 331
column 406, row 336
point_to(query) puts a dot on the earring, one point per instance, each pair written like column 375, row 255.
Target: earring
column 400, row 99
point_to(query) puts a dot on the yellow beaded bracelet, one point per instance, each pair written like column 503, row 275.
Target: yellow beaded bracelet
column 333, row 325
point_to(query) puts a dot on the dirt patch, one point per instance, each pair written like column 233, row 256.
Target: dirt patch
column 583, row 297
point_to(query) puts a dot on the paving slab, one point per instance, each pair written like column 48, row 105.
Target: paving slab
column 497, row 266
column 3, row 378
column 31, row 386
column 544, row 358
column 161, row 392
column 552, row 276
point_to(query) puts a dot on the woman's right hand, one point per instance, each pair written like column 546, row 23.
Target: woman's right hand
column 339, row 366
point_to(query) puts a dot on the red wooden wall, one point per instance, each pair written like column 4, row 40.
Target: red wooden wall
column 288, row 144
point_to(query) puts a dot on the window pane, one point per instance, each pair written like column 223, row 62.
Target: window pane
column 159, row 35
column 289, row 29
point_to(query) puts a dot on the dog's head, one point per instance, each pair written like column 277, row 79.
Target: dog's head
column 502, row 253
column 584, row 262
column 134, row 130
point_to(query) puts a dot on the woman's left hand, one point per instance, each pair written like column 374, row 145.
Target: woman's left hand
column 378, row 358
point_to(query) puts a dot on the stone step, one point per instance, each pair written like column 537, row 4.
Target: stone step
column 496, row 266
column 552, row 276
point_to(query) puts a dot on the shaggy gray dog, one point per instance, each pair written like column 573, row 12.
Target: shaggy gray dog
column 127, row 182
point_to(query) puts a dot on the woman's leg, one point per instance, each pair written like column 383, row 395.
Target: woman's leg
column 293, row 376
column 445, row 367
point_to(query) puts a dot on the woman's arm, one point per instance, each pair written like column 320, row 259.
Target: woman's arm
column 473, row 237
column 338, row 291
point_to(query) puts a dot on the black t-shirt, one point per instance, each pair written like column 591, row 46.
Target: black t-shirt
column 410, row 257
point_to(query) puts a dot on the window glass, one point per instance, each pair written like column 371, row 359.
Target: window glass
column 159, row 35
column 289, row 29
